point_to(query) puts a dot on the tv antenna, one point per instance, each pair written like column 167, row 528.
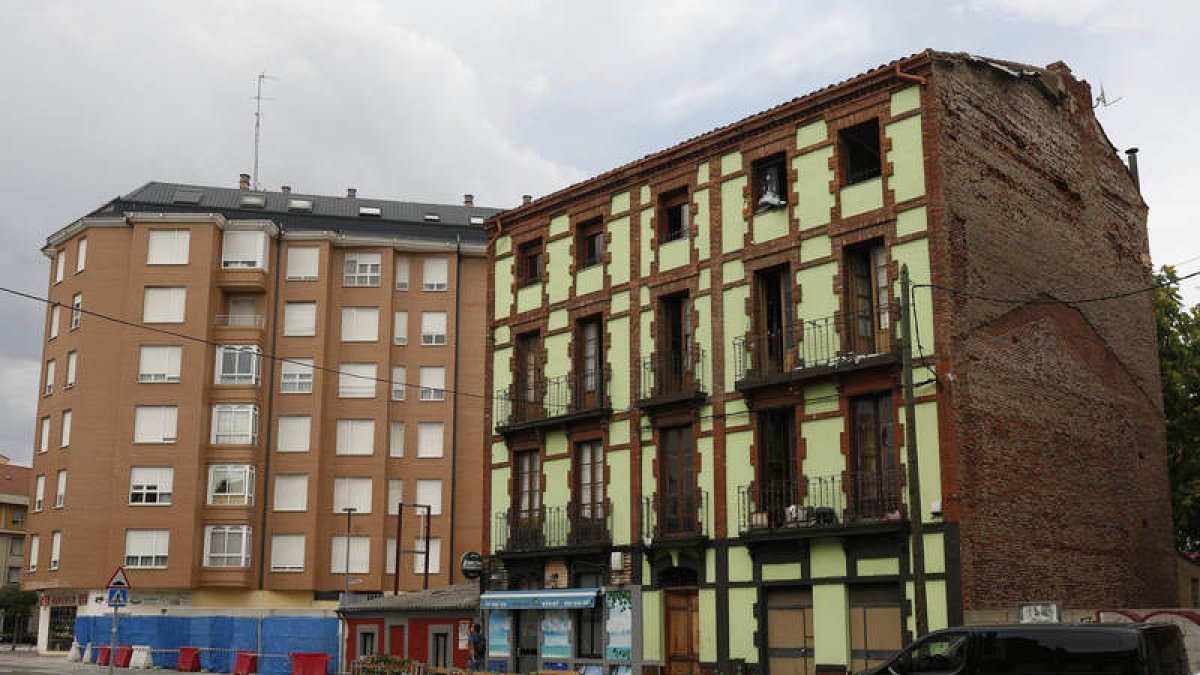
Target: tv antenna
column 1103, row 101
column 258, row 99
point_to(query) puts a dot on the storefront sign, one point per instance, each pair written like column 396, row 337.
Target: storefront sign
column 619, row 626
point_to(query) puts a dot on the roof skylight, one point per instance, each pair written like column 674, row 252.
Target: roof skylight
column 253, row 201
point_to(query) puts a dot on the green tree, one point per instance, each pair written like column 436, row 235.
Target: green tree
column 17, row 606
column 1179, row 360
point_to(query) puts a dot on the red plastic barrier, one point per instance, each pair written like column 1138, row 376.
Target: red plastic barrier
column 304, row 663
column 102, row 656
column 124, row 655
column 189, row 660
column 247, row 663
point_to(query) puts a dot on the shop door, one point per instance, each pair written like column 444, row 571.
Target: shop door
column 396, row 646
column 527, row 641
column 876, row 625
column 683, row 632
column 790, row 632
column 62, row 628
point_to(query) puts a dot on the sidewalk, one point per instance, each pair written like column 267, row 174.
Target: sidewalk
column 28, row 661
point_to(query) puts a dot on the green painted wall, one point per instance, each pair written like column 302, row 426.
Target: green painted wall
column 907, row 158
column 558, row 360
column 652, row 625
column 827, row 558
column 702, row 225
column 770, row 225
column 704, row 448
column 646, row 348
column 731, row 163
column 735, row 325
column 708, row 625
column 781, row 572
column 831, row 629
column 529, row 297
column 813, row 178
column 929, row 459
column 741, row 630
column 818, row 299
column 739, row 472
column 558, row 320
column 935, row 552
column 911, row 221
column 733, row 220
column 878, row 566
column 558, row 268
column 704, row 335
column 619, row 302
column 862, row 197
column 502, row 302
column 649, row 481
column 811, row 134
column 618, row 363
column 820, row 398
column 499, row 452
column 741, row 565
column 558, row 488
column 589, row 280
column 499, row 501
column 702, row 173
column 816, row 248
column 906, row 99
column 559, row 224
column 705, row 279
column 915, row 254
column 618, row 495
column 618, row 432
column 620, row 202
column 674, row 254
column 618, row 243
column 646, row 222
column 935, row 603
column 822, row 442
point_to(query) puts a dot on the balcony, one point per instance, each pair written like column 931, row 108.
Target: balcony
column 823, row 505
column 814, row 348
column 554, row 401
column 242, row 277
column 678, row 522
column 672, row 377
column 550, row 527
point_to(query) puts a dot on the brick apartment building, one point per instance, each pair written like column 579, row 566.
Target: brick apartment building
column 170, row 441
column 698, row 454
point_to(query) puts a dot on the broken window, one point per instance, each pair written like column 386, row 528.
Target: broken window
column 769, row 183
column 859, row 147
column 674, row 216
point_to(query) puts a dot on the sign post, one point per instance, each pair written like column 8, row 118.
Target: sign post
column 118, row 596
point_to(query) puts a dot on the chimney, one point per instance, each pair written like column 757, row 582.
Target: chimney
column 351, row 193
column 468, row 200
column 1133, row 169
column 526, row 199
column 285, row 189
column 243, row 181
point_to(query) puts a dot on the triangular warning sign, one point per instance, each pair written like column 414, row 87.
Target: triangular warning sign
column 119, row 580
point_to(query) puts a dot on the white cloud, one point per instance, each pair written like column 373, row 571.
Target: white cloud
column 18, row 407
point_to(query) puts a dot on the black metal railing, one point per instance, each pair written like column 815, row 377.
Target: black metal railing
column 549, row 398
column 531, row 529
column 823, row 501
column 813, row 343
column 673, row 374
column 678, row 517
column 589, row 524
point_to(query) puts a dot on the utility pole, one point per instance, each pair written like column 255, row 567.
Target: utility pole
column 258, row 99
column 920, row 610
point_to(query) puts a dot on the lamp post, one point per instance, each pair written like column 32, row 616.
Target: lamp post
column 343, row 628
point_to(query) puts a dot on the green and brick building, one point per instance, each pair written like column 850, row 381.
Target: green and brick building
column 697, row 434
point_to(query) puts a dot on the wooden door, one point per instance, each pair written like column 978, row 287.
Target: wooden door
column 396, row 646
column 790, row 632
column 683, row 632
column 677, row 476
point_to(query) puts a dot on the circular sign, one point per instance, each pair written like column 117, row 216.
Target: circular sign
column 471, row 565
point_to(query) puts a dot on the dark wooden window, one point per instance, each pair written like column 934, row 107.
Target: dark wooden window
column 770, row 183
column 859, row 149
column 527, row 496
column 674, row 216
column 589, row 479
column 589, row 246
column 675, row 343
column 777, row 463
column 589, row 368
column 528, row 381
column 678, row 510
column 873, row 492
column 868, row 298
column 772, row 339
column 589, row 623
column 531, row 262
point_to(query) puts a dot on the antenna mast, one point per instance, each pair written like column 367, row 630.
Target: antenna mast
column 258, row 99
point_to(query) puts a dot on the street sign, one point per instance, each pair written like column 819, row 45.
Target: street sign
column 118, row 596
column 471, row 565
column 119, row 580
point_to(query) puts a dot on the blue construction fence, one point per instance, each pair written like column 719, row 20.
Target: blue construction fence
column 219, row 638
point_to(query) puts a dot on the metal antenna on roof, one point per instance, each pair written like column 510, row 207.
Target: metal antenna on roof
column 258, row 99
column 1103, row 101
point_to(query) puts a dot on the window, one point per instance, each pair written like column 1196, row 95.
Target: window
column 435, row 556
column 358, row 555
column 227, row 546
column 60, row 495
column 433, row 328
column 352, row 493
column 859, row 149
column 55, row 319
column 429, row 493
column 433, row 383
column 301, row 205
column 530, row 262
column 244, row 249
column 396, row 441
column 436, row 275
column 287, row 553
column 18, row 518
column 589, row 243
column 76, row 310
column 14, row 574
column 361, row 269
column 527, row 496
column 770, row 186
column 360, row 324
column 868, row 301
column 48, row 387
column 291, row 492
column 356, row 380
column 151, row 484
column 589, row 483
column 35, row 549
column 430, row 439
column 528, row 382
column 589, row 624
column 399, row 382
column 39, row 493
column 675, row 345
column 873, row 457
column 241, row 312
column 55, row 549
column 678, row 507
column 400, row 328
column 159, row 364
column 154, row 424
column 81, row 256
column 302, row 263
column 60, row 261
column 299, row 319
column 146, row 548
column 589, row 368
column 238, row 364
column 234, row 424
column 66, row 428
column 44, row 435
column 402, row 265
column 674, row 216
column 294, row 433
column 16, row 546
column 395, row 495
column 231, row 485
column 355, row 437
column 296, row 376
column 390, row 564
column 72, row 369
column 164, row 305
column 168, row 247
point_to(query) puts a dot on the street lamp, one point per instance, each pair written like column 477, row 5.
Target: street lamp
column 342, row 628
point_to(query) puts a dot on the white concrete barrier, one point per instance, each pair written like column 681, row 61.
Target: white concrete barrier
column 140, row 659
column 73, row 655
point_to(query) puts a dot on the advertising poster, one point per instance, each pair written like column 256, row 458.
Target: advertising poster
column 556, row 634
column 499, row 643
column 619, row 625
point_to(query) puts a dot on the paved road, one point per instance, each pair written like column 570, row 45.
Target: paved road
column 29, row 663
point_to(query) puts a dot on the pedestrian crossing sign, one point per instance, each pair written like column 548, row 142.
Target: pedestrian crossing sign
column 118, row 596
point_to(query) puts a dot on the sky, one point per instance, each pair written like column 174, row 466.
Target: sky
column 427, row 101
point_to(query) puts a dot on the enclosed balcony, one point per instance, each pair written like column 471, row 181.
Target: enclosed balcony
column 552, row 401
column 822, row 505
column 679, row 519
column 672, row 377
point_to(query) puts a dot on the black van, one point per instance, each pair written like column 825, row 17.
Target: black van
column 1124, row 649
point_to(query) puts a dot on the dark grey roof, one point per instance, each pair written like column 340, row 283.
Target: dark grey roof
column 341, row 214
column 445, row 598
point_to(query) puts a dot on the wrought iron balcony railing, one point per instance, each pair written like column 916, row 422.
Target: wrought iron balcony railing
column 673, row 374
column 548, row 399
column 589, row 524
column 683, row 516
column 552, row 527
column 851, row 498
column 813, row 343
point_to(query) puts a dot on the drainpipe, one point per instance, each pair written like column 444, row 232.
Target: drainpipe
column 454, row 415
column 267, row 437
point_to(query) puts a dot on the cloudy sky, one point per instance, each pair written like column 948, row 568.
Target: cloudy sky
column 427, row 101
